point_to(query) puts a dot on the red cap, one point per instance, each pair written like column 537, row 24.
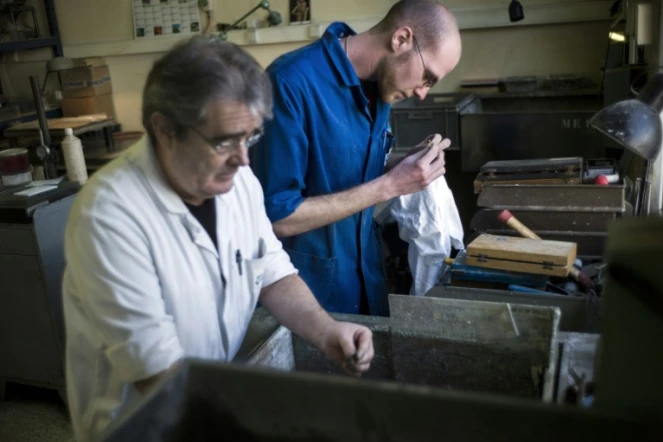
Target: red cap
column 601, row 180
column 504, row 216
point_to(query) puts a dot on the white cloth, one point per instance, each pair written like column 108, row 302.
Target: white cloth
column 429, row 222
column 143, row 283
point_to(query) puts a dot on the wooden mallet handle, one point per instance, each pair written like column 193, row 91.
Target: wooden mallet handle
column 507, row 218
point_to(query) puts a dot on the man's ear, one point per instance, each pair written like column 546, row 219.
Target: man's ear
column 162, row 126
column 164, row 131
column 401, row 39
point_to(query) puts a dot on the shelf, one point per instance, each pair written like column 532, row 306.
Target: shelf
column 33, row 43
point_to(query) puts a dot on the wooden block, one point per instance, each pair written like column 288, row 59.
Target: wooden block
column 554, row 258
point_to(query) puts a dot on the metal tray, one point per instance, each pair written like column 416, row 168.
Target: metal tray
column 554, row 198
column 577, row 314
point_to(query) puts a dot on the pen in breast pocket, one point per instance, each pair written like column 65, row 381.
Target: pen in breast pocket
column 238, row 258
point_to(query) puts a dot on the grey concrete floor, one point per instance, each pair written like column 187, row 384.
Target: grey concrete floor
column 31, row 414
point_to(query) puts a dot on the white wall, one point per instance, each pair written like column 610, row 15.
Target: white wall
column 105, row 27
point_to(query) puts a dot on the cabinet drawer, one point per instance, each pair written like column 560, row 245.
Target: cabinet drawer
column 17, row 242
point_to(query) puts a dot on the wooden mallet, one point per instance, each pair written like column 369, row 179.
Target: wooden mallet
column 507, row 218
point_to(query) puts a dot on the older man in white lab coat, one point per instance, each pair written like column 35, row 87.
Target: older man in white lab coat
column 169, row 249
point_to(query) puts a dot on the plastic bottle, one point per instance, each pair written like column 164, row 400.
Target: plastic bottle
column 72, row 150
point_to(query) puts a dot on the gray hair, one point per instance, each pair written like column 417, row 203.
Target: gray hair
column 197, row 71
column 430, row 21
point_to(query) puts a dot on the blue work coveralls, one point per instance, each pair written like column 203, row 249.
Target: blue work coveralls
column 324, row 139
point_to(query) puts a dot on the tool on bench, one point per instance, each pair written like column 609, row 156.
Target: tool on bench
column 522, row 289
column 350, row 363
column 460, row 273
column 353, row 359
column 549, row 287
column 506, row 217
column 524, row 255
column 540, row 171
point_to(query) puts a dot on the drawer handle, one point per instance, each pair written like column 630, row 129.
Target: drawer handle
column 420, row 115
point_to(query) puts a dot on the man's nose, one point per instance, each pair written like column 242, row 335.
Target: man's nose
column 241, row 155
column 421, row 92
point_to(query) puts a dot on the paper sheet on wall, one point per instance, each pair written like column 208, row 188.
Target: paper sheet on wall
column 154, row 18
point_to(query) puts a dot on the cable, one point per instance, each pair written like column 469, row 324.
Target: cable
column 209, row 22
column 206, row 6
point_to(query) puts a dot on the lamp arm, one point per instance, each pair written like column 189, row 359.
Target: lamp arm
column 263, row 5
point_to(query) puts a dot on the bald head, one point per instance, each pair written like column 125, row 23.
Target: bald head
column 431, row 22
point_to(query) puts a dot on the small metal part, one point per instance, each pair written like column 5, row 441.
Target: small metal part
column 513, row 320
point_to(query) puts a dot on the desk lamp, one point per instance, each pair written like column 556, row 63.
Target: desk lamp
column 273, row 18
column 636, row 125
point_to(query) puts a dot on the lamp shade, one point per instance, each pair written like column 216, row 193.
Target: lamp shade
column 636, row 124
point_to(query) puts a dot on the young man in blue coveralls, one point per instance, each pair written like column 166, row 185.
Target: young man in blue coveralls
column 323, row 162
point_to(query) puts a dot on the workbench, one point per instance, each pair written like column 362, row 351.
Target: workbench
column 244, row 403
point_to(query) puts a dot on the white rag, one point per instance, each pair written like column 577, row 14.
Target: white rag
column 429, row 222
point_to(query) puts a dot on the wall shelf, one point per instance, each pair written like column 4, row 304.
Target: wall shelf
column 468, row 18
column 24, row 45
column 52, row 42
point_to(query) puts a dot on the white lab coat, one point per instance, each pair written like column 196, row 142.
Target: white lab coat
column 143, row 283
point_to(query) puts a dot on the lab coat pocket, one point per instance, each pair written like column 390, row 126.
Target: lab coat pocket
column 255, row 269
column 318, row 273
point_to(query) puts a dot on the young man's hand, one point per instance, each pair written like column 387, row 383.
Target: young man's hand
column 422, row 165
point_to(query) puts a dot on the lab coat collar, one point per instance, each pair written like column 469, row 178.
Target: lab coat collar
column 337, row 53
column 143, row 156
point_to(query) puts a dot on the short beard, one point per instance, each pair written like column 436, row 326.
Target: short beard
column 387, row 77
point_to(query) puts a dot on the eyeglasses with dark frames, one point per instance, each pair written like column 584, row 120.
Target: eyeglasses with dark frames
column 226, row 146
column 429, row 83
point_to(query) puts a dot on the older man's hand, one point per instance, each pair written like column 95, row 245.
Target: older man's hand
column 350, row 346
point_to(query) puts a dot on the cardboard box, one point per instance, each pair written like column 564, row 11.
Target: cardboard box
column 74, row 107
column 86, row 82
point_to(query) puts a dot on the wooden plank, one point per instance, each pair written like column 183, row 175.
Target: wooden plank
column 59, row 131
column 522, row 255
column 61, row 123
